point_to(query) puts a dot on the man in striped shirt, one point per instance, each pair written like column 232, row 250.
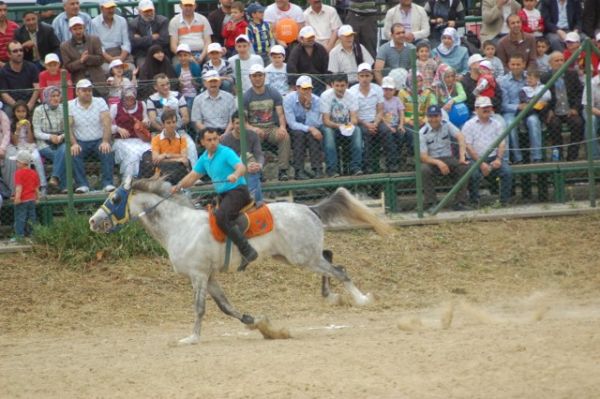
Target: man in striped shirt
column 192, row 29
column 7, row 32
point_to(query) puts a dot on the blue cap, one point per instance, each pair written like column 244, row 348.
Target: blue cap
column 254, row 7
column 434, row 110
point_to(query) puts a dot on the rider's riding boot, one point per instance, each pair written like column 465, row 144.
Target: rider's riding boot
column 248, row 253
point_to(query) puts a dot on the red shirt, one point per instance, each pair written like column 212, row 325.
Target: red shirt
column 580, row 63
column 5, row 38
column 239, row 28
column 29, row 180
column 54, row 80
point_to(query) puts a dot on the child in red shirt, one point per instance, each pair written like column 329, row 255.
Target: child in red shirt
column 486, row 84
column 27, row 184
column 51, row 76
column 236, row 26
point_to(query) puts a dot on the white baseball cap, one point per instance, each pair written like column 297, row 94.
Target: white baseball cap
column 214, row 47
column 84, row 84
column 304, row 82
column 364, row 67
column 242, row 37
column 307, row 32
column 277, row 49
column 51, row 57
column 145, row 5
column 183, row 47
column 486, row 64
column 115, row 63
column 107, row 3
column 75, row 21
column 483, row 101
column 388, row 83
column 345, row 30
column 475, row 58
column 256, row 68
column 22, row 156
column 572, row 37
column 211, row 75
column 598, row 36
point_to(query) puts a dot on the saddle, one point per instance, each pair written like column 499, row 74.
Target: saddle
column 253, row 221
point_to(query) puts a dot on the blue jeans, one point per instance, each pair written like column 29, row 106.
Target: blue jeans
column 330, row 147
column 534, row 129
column 595, row 145
column 505, row 175
column 254, row 186
column 107, row 163
column 24, row 218
column 57, row 156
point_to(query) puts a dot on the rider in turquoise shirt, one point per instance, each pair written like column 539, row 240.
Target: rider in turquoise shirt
column 226, row 170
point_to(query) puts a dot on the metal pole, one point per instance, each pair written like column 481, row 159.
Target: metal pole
column 67, row 131
column 415, row 132
column 589, row 133
column 241, row 113
column 516, row 122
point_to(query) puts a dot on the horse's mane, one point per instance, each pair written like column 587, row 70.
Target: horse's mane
column 162, row 188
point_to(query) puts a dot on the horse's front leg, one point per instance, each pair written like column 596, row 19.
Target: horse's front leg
column 217, row 293
column 199, row 283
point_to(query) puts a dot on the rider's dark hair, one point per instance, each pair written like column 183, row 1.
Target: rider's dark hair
column 209, row 130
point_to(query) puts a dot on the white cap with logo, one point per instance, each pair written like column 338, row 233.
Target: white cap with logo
column 84, row 84
column 51, row 57
column 345, row 30
column 145, row 5
column 214, row 47
column 304, row 82
column 482, row 102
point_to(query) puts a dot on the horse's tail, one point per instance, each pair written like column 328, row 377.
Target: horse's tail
column 343, row 206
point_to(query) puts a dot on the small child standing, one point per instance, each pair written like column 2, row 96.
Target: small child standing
column 276, row 71
column 542, row 58
column 51, row 76
column 486, row 84
column 260, row 32
column 393, row 118
column 425, row 64
column 116, row 81
column 222, row 66
column 489, row 51
column 27, row 184
column 236, row 26
column 531, row 18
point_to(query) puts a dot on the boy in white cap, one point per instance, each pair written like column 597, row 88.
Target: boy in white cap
column 309, row 58
column 51, row 76
column 189, row 74
column 217, row 63
column 277, row 70
column 247, row 59
column 27, row 184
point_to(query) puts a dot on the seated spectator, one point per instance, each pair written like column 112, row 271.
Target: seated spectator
column 164, row 99
column 516, row 42
column 532, row 88
column 438, row 159
column 393, row 120
column 221, row 65
column 348, row 54
column 363, row 16
column 595, row 112
column 511, row 85
column 18, row 79
column 325, row 20
column 469, row 80
column 130, row 140
column 339, row 108
column 52, row 77
column 255, row 158
column 7, row 33
column 112, row 30
column 27, row 186
column 486, row 85
column 147, row 29
column 531, row 18
column 247, row 60
column 48, row 129
column 260, row 32
column 494, row 14
column 426, row 65
column 480, row 132
column 542, row 46
column 61, row 24
column 572, row 44
column 444, row 14
column 38, row 39
column 82, row 55
column 190, row 28
column 24, row 140
column 237, row 25
column 426, row 97
column 189, row 74
column 308, row 58
column 266, row 117
column 277, row 76
column 590, row 21
column 169, row 150
column 560, row 20
column 283, row 9
column 393, row 54
column 489, row 52
column 117, row 81
column 565, row 107
column 156, row 63
column 412, row 16
column 303, row 116
column 451, row 52
column 90, row 135
column 450, row 94
column 213, row 107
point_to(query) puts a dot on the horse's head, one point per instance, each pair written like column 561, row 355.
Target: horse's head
column 114, row 212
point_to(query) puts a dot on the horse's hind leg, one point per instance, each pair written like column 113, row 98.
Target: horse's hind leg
column 217, row 293
column 325, row 267
column 199, row 282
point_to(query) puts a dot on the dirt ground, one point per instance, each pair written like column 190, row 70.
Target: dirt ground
column 504, row 309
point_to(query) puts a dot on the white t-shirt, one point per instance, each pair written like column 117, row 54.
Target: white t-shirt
column 367, row 105
column 277, row 78
column 338, row 108
column 273, row 14
column 245, row 67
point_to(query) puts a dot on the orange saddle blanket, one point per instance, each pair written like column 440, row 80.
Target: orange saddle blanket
column 254, row 222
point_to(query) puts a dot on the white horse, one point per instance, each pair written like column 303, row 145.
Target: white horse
column 184, row 232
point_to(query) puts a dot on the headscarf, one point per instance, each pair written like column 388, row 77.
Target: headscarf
column 152, row 67
column 443, row 50
column 128, row 90
column 48, row 91
column 409, row 82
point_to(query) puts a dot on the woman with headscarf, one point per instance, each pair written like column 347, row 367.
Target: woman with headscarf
column 48, row 129
column 451, row 95
column 130, row 140
column 156, row 62
column 451, row 52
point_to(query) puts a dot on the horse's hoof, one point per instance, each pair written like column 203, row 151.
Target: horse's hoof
column 247, row 319
column 191, row 340
column 333, row 299
column 365, row 300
